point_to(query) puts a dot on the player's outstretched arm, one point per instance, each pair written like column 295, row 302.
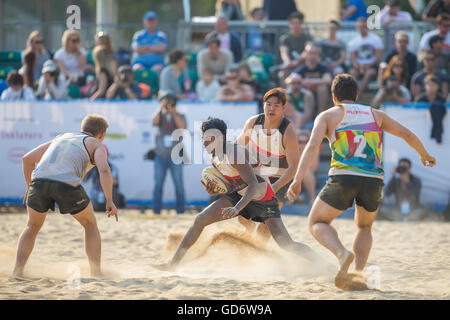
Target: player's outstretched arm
column 392, row 126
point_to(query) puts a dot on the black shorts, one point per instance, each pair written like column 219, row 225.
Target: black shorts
column 281, row 194
column 340, row 191
column 258, row 211
column 43, row 194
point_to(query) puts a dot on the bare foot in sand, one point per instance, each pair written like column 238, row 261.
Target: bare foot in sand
column 350, row 281
column 164, row 266
column 345, row 261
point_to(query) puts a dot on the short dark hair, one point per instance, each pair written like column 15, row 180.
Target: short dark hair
column 175, row 56
column 211, row 40
column 336, row 23
column 215, row 123
column 296, row 15
column 14, row 79
column 344, row 87
column 442, row 17
column 256, row 10
column 431, row 77
column 405, row 160
column 279, row 93
column 433, row 40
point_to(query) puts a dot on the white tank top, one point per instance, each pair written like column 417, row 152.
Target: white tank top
column 66, row 160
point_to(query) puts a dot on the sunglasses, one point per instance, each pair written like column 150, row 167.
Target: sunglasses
column 38, row 41
column 231, row 78
column 429, row 59
column 398, row 65
column 75, row 40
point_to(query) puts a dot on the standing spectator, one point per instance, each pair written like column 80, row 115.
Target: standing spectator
column 52, row 84
column 301, row 98
column 167, row 119
column 124, row 86
column 228, row 40
column 279, row 10
column 17, row 90
column 391, row 91
column 315, row 76
column 437, row 106
column 429, row 67
column 27, row 70
column 257, row 40
column 208, row 88
column 230, row 9
column 401, row 49
column 442, row 59
column 442, row 28
column 397, row 67
column 434, row 9
column 35, row 43
column 149, row 45
column 354, row 10
column 391, row 13
column 366, row 53
column 169, row 78
column 218, row 60
column 333, row 50
column 233, row 90
column 105, row 65
column 71, row 58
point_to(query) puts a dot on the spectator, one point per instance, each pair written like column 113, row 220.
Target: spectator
column 354, row 10
column 333, row 50
column 218, row 60
column 279, row 10
column 245, row 77
column 391, row 13
column 105, row 65
column 301, row 98
column 3, row 86
column 293, row 43
column 257, row 40
column 315, row 76
column 309, row 180
column 429, row 67
column 391, row 91
column 228, row 40
column 406, row 188
column 27, row 70
column 230, row 9
column 401, row 44
column 17, row 90
column 442, row 28
column 149, row 45
column 366, row 53
column 208, row 88
column 35, row 43
column 437, row 106
column 397, row 67
column 292, row 115
column 124, row 86
column 169, row 79
column 442, row 60
column 233, row 90
column 52, row 84
column 434, row 9
column 71, row 58
column 167, row 119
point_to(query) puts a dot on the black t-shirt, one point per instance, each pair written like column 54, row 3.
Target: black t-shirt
column 419, row 79
column 316, row 73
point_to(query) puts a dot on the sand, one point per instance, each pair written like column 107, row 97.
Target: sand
column 409, row 260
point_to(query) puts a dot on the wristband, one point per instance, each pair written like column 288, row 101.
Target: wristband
column 274, row 188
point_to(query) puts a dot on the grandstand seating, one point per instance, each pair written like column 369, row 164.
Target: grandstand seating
column 149, row 77
column 11, row 59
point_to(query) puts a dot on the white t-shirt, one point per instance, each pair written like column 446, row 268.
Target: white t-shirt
column 402, row 16
column 25, row 94
column 70, row 61
column 424, row 45
column 365, row 48
column 225, row 40
column 207, row 93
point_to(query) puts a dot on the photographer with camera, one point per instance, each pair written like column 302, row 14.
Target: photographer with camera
column 124, row 86
column 391, row 91
column 52, row 83
column 167, row 119
column 406, row 188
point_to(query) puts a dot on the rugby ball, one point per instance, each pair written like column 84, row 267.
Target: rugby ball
column 214, row 175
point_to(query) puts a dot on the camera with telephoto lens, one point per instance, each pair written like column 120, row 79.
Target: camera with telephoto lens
column 401, row 169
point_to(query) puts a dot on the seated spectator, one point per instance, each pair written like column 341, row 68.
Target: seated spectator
column 429, row 67
column 17, row 90
column 124, row 86
column 442, row 59
column 279, row 10
column 354, row 10
column 333, row 50
column 406, row 188
column 442, row 28
column 434, row 9
column 292, row 115
column 315, row 76
column 401, row 49
column 71, row 58
column 218, row 60
column 233, row 90
column 149, row 45
column 27, row 70
column 230, row 9
column 391, row 13
column 208, row 88
column 228, row 40
column 258, row 41
column 169, row 78
column 391, row 91
column 301, row 98
column 52, row 84
column 245, row 77
column 397, row 67
column 35, row 43
column 105, row 65
column 366, row 53
column 309, row 180
column 437, row 106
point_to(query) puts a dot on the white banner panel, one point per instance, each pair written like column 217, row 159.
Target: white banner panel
column 25, row 125
column 436, row 180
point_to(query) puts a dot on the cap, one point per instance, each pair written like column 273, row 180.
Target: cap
column 49, row 66
column 124, row 68
column 166, row 94
column 150, row 15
